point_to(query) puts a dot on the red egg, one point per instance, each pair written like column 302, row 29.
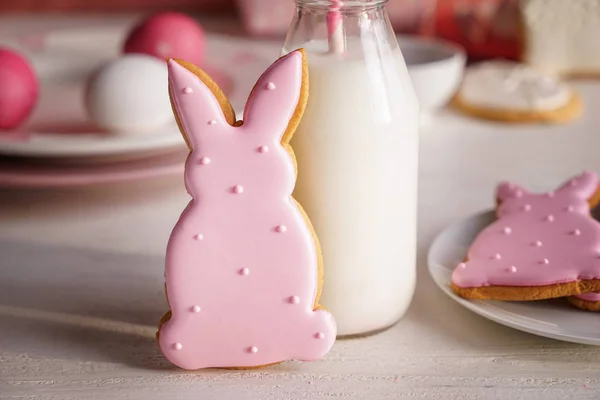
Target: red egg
column 19, row 89
column 168, row 35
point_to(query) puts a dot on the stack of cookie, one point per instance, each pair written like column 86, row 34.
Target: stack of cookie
column 541, row 246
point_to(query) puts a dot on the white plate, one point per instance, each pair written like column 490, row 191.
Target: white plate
column 63, row 60
column 555, row 319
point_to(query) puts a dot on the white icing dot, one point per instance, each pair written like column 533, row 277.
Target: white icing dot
column 244, row 271
column 319, row 335
column 205, row 160
column 527, row 207
column 570, row 209
column 178, row 346
column 512, row 269
column 196, row 309
column 545, row 261
column 294, row 299
column 537, row 243
column 198, row 236
column 270, row 86
column 497, row 256
column 281, row 229
column 253, row 349
column 187, row 90
column 238, row 189
column 212, row 122
column 550, row 218
column 263, row 149
column 576, row 232
column 519, row 193
column 507, row 230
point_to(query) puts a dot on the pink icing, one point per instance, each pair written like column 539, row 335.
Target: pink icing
column 245, row 321
column 589, row 296
column 556, row 241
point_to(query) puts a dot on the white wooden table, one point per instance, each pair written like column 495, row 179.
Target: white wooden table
column 81, row 289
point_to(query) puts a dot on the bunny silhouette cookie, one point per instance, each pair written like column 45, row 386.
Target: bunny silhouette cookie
column 243, row 265
column 541, row 246
column 588, row 301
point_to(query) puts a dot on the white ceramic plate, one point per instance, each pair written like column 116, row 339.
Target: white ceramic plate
column 64, row 59
column 553, row 318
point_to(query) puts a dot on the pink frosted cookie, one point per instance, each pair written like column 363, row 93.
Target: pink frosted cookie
column 243, row 266
column 541, row 246
column 588, row 301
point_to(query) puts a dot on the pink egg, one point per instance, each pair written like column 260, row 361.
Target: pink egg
column 19, row 89
column 168, row 35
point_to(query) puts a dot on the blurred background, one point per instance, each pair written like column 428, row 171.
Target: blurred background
column 485, row 27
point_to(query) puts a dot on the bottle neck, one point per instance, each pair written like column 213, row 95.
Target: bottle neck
column 342, row 27
column 341, row 5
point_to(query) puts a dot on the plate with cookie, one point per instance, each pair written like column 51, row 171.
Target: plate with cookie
column 532, row 264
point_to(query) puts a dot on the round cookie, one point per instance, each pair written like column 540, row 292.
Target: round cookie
column 541, row 246
column 511, row 92
column 243, row 271
column 588, row 301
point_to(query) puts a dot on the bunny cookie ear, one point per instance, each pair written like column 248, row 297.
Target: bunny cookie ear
column 507, row 190
column 583, row 186
column 197, row 100
column 278, row 99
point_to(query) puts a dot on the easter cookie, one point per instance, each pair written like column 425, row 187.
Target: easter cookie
column 511, row 92
column 243, row 266
column 588, row 301
column 541, row 246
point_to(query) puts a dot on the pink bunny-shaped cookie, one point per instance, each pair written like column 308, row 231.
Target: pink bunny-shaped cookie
column 541, row 246
column 243, row 264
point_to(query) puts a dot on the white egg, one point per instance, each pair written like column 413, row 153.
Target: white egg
column 130, row 94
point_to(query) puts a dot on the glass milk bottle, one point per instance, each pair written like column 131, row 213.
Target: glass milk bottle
column 357, row 147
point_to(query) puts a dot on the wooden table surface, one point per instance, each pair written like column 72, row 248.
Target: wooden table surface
column 81, row 288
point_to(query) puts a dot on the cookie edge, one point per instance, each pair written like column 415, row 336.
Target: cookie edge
column 569, row 112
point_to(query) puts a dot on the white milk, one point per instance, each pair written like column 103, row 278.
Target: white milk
column 357, row 149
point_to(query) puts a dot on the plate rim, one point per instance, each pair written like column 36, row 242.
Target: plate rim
column 163, row 142
column 488, row 310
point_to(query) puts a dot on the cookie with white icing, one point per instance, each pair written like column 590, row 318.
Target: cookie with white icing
column 561, row 37
column 512, row 92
